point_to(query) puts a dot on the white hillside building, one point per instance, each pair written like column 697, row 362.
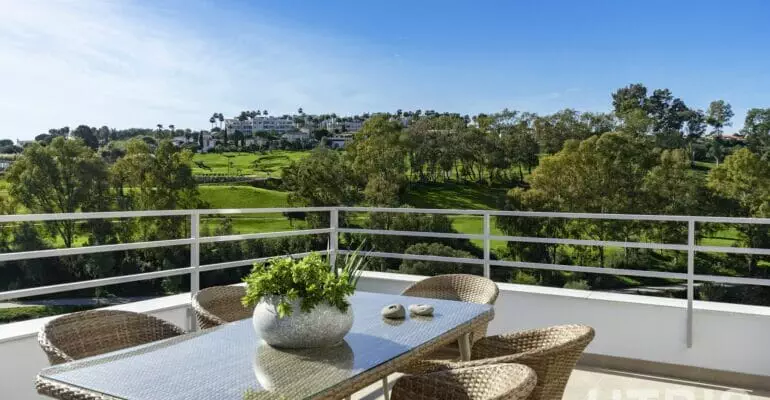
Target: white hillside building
column 260, row 124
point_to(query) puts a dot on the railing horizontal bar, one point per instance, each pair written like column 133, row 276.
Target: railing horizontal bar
column 733, row 279
column 592, row 270
column 115, row 280
column 411, row 233
column 499, row 213
column 582, row 242
column 92, row 215
column 151, row 213
column 226, row 211
column 619, row 217
column 243, row 263
column 71, row 251
column 733, row 250
column 265, row 235
column 733, row 220
column 420, row 257
column 413, row 210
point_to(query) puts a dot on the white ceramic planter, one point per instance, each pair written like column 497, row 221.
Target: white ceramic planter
column 323, row 326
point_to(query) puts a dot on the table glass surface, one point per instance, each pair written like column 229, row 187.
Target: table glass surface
column 231, row 362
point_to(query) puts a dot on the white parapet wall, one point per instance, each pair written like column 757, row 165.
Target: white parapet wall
column 21, row 358
column 726, row 337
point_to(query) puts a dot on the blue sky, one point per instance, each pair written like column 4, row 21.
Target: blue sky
column 139, row 63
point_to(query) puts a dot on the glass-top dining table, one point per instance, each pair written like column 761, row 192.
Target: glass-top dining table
column 231, row 362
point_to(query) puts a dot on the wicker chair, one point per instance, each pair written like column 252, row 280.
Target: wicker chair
column 486, row 382
column 88, row 333
column 459, row 287
column 219, row 305
column 552, row 352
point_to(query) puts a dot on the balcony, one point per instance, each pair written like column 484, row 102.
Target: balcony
column 652, row 347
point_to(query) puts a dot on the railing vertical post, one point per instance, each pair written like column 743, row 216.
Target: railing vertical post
column 487, row 233
column 334, row 224
column 195, row 261
column 690, row 278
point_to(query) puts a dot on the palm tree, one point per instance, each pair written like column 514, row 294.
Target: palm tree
column 212, row 120
column 264, row 112
column 171, row 126
column 221, row 119
column 160, row 127
column 300, row 111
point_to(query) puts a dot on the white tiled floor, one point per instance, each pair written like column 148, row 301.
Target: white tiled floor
column 598, row 384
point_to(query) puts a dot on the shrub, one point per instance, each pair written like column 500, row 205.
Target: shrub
column 580, row 284
column 310, row 279
column 524, row 278
column 430, row 268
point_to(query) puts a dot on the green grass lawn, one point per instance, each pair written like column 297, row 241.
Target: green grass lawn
column 705, row 165
column 223, row 196
column 262, row 165
column 219, row 196
column 255, row 223
column 456, row 196
column 725, row 237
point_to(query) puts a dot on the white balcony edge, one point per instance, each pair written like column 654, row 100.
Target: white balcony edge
column 24, row 329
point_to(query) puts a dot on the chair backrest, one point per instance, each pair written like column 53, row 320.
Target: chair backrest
column 459, row 287
column 496, row 381
column 88, row 333
column 552, row 352
column 219, row 305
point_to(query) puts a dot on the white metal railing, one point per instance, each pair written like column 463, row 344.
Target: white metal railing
column 195, row 240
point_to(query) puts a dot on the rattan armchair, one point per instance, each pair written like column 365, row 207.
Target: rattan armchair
column 459, row 287
column 88, row 333
column 486, row 382
column 219, row 305
column 552, row 352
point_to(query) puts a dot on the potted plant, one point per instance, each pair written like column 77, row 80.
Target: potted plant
column 303, row 303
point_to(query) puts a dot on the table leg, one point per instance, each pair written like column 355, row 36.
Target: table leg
column 465, row 347
column 385, row 391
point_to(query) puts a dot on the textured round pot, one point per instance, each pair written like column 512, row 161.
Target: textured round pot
column 323, row 326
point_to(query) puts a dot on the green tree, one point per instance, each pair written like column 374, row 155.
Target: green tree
column 744, row 177
column 380, row 149
column 88, row 136
column 551, row 131
column 756, row 129
column 716, row 149
column 672, row 187
column 661, row 114
column 381, row 191
column 323, row 178
column 602, row 174
column 159, row 179
column 65, row 176
column 629, row 99
column 719, row 115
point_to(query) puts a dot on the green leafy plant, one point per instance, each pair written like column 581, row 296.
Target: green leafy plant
column 311, row 279
column 353, row 264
